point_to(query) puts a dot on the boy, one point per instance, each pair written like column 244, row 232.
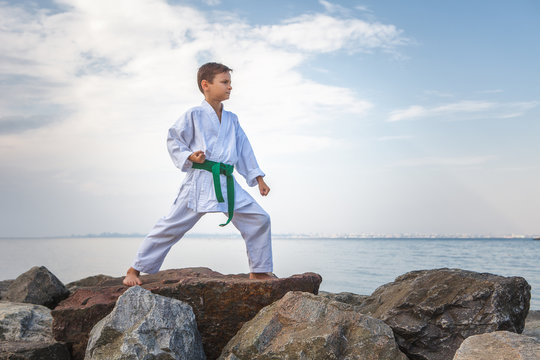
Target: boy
column 207, row 142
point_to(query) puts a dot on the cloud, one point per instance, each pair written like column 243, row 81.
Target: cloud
column 18, row 124
column 334, row 8
column 394, row 137
column 463, row 110
column 321, row 33
column 446, row 161
column 99, row 83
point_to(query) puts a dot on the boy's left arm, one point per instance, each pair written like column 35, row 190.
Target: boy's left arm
column 263, row 188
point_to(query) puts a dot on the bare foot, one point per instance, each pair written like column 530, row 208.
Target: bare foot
column 132, row 277
column 262, row 276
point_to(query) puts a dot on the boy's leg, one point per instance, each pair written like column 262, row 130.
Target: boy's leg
column 165, row 233
column 254, row 225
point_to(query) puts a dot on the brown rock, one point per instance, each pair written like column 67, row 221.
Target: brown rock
column 432, row 311
column 305, row 326
column 499, row 345
column 90, row 281
column 221, row 303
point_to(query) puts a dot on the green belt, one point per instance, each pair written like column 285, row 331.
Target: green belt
column 217, row 168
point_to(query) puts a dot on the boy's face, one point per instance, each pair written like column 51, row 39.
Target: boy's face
column 220, row 88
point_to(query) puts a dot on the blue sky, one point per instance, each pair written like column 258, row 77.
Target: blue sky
column 368, row 116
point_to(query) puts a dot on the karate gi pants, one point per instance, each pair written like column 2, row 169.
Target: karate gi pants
column 251, row 220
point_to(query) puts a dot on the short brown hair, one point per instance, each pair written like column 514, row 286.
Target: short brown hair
column 208, row 71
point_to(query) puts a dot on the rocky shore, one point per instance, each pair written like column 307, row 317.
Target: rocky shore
column 197, row 313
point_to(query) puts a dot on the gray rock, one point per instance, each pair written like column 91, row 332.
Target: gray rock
column 532, row 324
column 143, row 325
column 306, row 326
column 90, row 281
column 345, row 297
column 26, row 333
column 24, row 350
column 37, row 286
column 499, row 345
column 25, row 322
column 432, row 311
column 4, row 284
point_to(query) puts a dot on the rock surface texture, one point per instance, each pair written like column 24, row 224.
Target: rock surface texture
column 532, row 324
column 345, row 297
column 499, row 345
column 432, row 311
column 143, row 325
column 221, row 303
column 26, row 333
column 306, row 326
column 4, row 285
column 25, row 322
column 37, row 286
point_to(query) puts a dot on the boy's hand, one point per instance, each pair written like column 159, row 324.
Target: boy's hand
column 197, row 157
column 263, row 188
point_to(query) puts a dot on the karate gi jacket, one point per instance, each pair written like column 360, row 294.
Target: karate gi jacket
column 200, row 129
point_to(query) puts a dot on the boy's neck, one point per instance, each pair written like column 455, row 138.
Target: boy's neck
column 216, row 105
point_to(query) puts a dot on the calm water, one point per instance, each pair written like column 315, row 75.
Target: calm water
column 355, row 265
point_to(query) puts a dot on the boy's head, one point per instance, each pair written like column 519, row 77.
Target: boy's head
column 208, row 71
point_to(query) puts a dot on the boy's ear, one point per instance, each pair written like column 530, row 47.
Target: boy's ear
column 204, row 84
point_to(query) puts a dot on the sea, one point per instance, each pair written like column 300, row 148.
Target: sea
column 357, row 265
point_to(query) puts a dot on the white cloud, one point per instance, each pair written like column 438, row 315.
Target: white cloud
column 465, row 110
column 324, row 33
column 446, row 161
column 95, row 85
column 334, row 8
column 394, row 137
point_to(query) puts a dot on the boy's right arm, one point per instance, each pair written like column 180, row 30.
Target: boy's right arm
column 178, row 141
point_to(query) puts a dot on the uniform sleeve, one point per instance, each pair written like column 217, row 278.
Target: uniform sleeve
column 178, row 141
column 247, row 164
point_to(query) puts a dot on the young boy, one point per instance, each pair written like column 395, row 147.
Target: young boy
column 207, row 142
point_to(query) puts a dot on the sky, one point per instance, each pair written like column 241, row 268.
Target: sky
column 378, row 117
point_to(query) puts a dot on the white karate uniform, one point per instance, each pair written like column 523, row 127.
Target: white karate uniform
column 200, row 129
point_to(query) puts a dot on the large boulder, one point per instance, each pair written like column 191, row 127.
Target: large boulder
column 306, row 326
column 432, row 311
column 37, row 286
column 532, row 324
column 25, row 322
column 221, row 303
column 26, row 333
column 144, row 325
column 499, row 345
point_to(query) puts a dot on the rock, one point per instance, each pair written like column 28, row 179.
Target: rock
column 221, row 303
column 345, row 297
column 143, row 325
column 499, row 345
column 25, row 322
column 37, row 286
column 24, row 350
column 4, row 284
column 305, row 326
column 432, row 311
column 532, row 324
column 26, row 333
column 90, row 281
